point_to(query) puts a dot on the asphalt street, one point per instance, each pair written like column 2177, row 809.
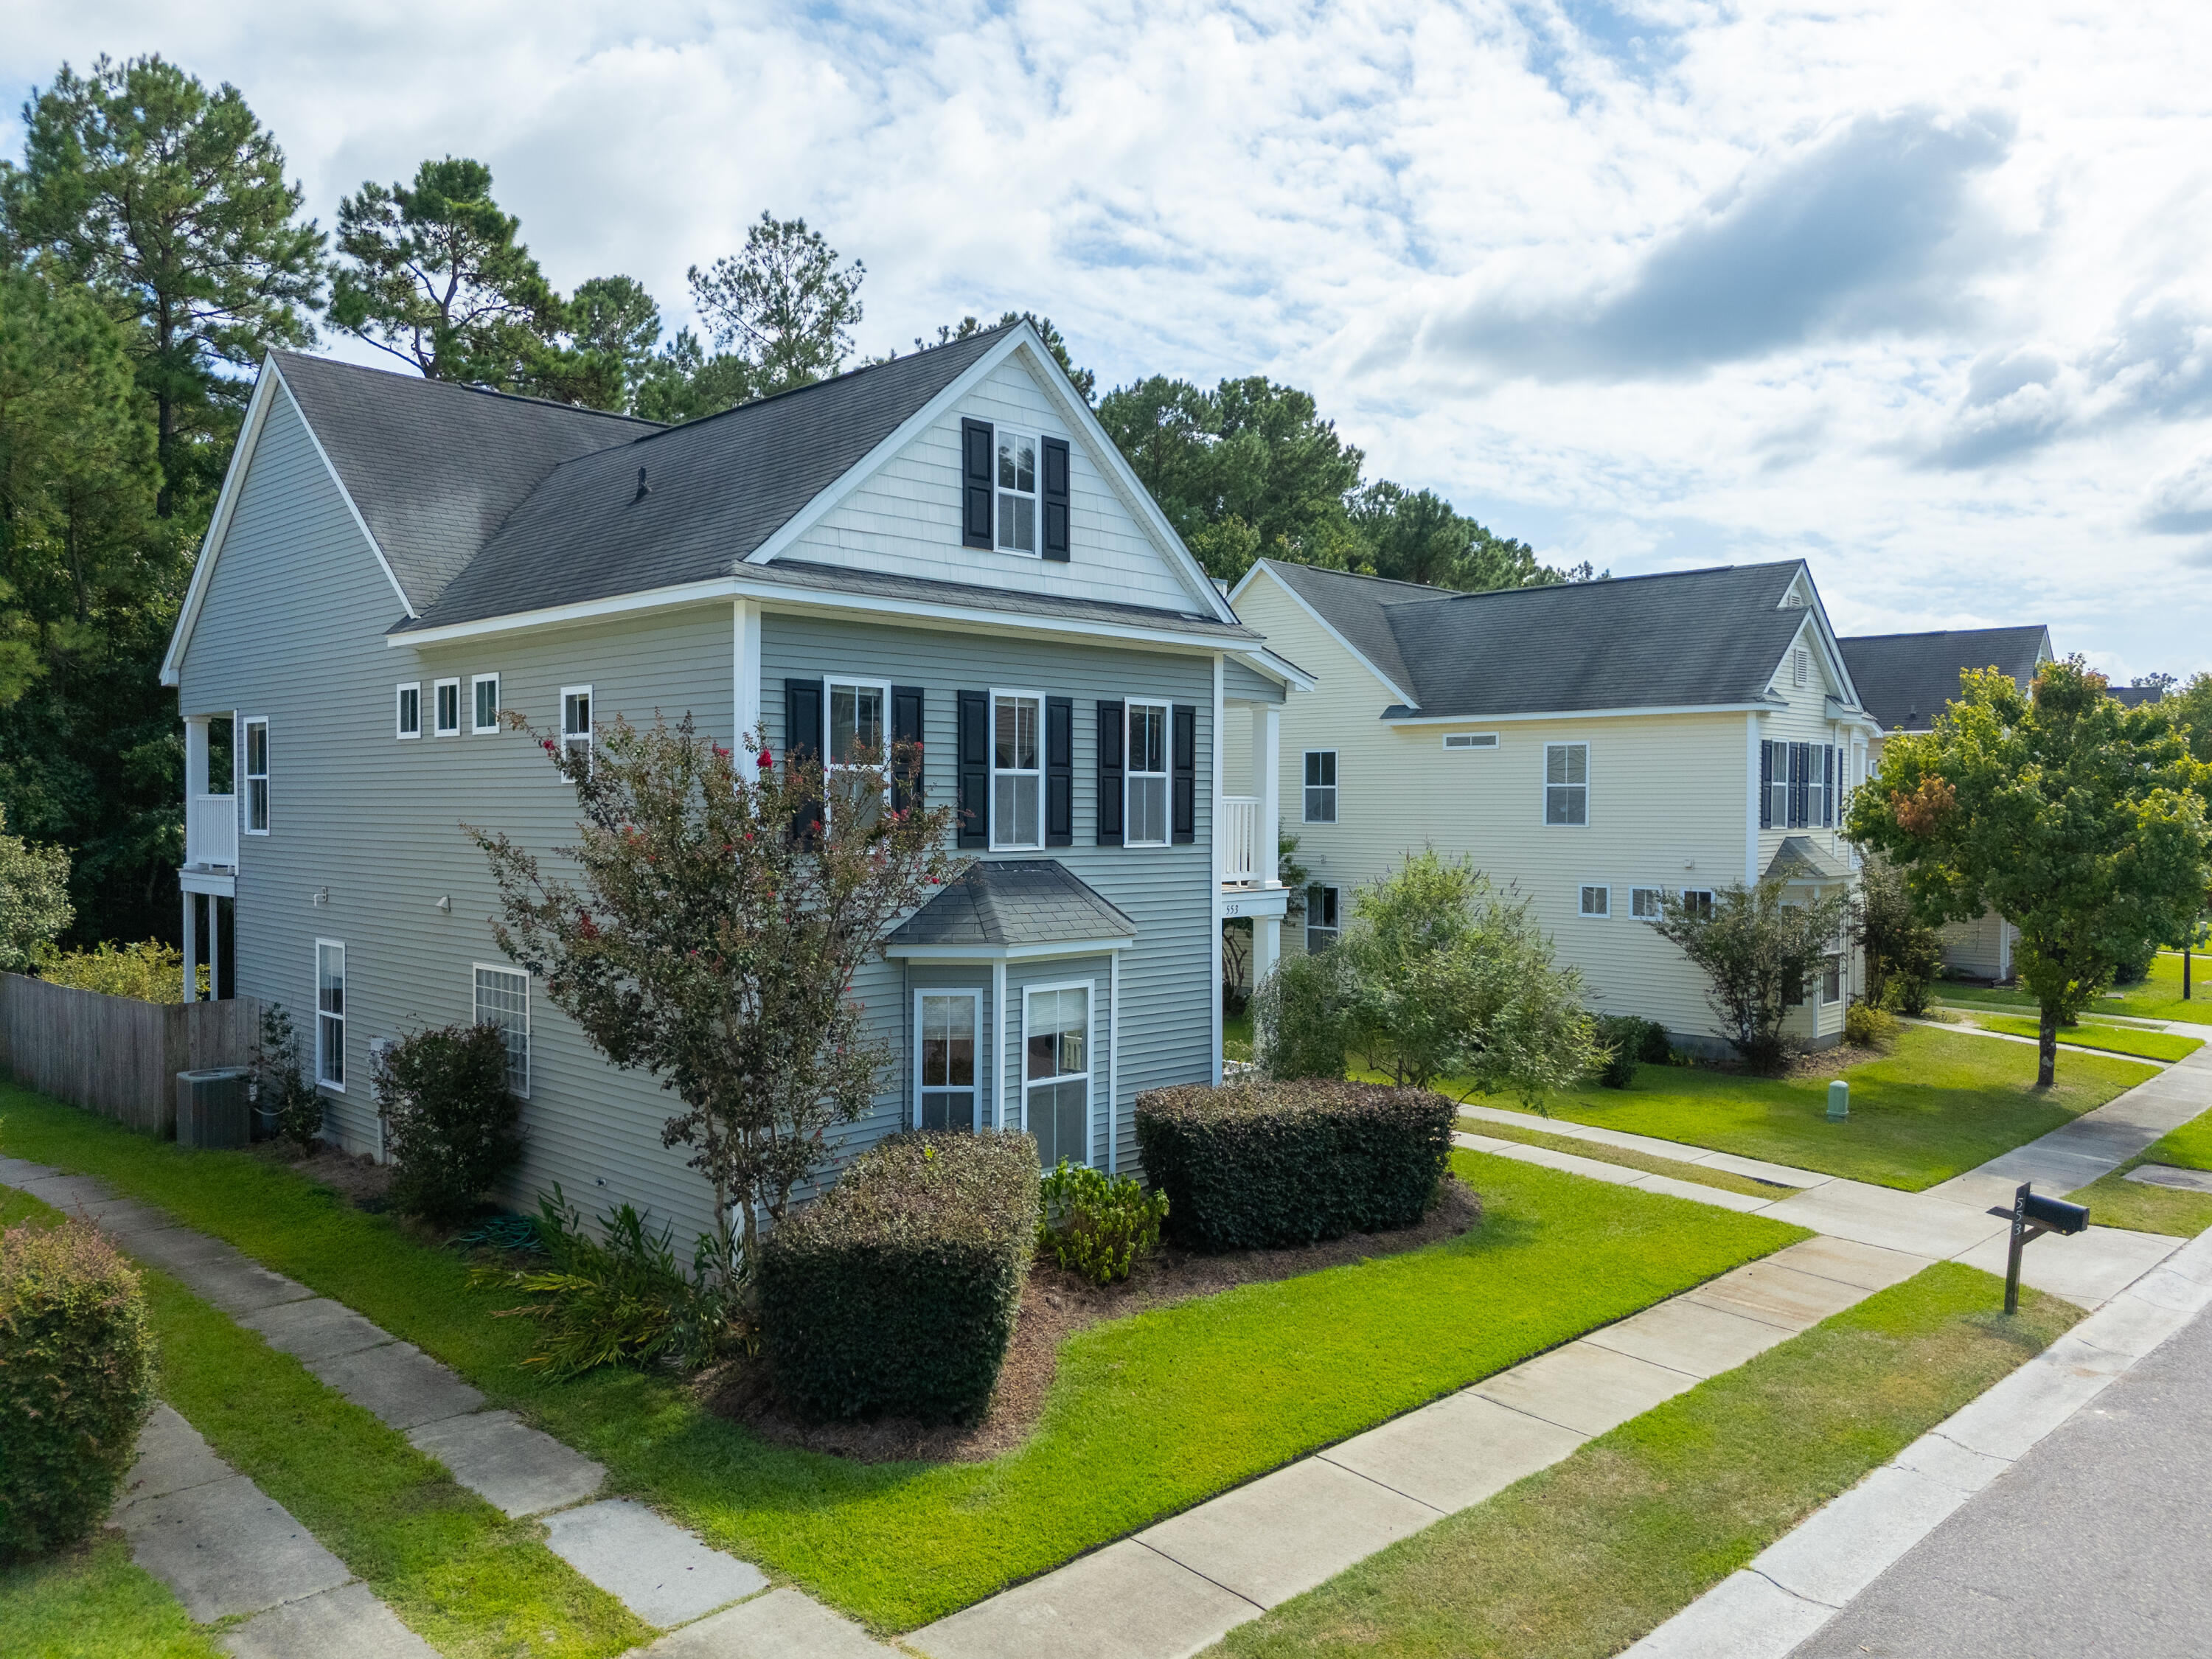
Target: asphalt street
column 2098, row 1542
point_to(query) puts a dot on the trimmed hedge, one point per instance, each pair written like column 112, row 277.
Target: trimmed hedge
column 896, row 1290
column 1263, row 1165
column 76, row 1382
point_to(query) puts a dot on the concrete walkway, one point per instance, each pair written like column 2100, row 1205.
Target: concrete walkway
column 209, row 1535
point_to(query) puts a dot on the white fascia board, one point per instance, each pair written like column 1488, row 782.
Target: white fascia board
column 1074, row 409
column 1583, row 714
column 1086, row 947
column 1279, row 669
column 1325, row 627
column 1831, row 651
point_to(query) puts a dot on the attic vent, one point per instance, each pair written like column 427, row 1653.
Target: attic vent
column 1800, row 666
column 643, row 487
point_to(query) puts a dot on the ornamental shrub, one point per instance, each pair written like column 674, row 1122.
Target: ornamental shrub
column 1096, row 1224
column 1299, row 1025
column 1627, row 1042
column 292, row 1106
column 452, row 1124
column 896, row 1289
column 1866, row 1026
column 148, row 971
column 76, row 1382
column 1267, row 1164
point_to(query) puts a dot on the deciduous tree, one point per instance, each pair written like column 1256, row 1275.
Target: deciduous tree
column 1760, row 949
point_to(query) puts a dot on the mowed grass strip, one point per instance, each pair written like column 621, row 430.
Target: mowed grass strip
column 2116, row 1201
column 1146, row 1416
column 1937, row 1105
column 2112, row 1039
column 1628, row 1157
column 2157, row 996
column 1580, row 1560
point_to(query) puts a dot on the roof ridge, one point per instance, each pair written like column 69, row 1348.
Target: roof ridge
column 474, row 387
column 1945, row 633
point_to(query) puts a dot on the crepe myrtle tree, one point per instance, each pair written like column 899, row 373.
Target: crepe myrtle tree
column 2079, row 822
column 720, row 907
column 1758, row 948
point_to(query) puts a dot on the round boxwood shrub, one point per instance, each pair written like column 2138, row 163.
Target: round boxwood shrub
column 896, row 1290
column 76, row 1382
column 1265, row 1164
column 451, row 1123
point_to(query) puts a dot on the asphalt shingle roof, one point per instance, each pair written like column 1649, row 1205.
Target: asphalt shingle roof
column 1800, row 857
column 1683, row 639
column 1905, row 680
column 1014, row 902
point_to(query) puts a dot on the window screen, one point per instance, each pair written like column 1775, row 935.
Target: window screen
column 503, row 1001
column 1566, row 783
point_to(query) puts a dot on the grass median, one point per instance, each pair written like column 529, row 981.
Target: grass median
column 2116, row 1201
column 1628, row 1157
column 2111, row 1039
column 1146, row 1415
column 1583, row 1558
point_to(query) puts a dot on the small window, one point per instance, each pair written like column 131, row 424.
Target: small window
column 1470, row 740
column 1017, row 492
column 1645, row 904
column 1697, row 904
column 944, row 1059
column 1146, row 779
column 503, row 1002
column 256, row 777
column 1597, row 901
column 856, row 722
column 1056, row 1073
column 1566, row 783
column 1322, row 926
column 484, row 693
column 1017, row 773
column 446, row 708
column 576, row 720
column 1831, row 980
column 407, row 721
column 1321, row 786
column 329, row 1013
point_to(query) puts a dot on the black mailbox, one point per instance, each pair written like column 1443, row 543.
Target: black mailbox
column 2031, row 1216
column 2054, row 1215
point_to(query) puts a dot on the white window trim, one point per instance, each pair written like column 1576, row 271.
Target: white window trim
column 1583, row 890
column 341, row 1017
column 1129, row 774
column 570, row 739
column 1026, row 1084
column 1000, row 433
column 1544, row 795
column 1659, row 902
column 975, row 996
column 507, row 968
column 1469, row 742
column 1712, row 902
column 1335, row 933
column 438, row 728
column 992, row 840
column 869, row 682
column 476, row 680
column 242, row 759
column 1336, row 790
column 399, row 705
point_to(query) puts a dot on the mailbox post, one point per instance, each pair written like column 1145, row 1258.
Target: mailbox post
column 2031, row 1216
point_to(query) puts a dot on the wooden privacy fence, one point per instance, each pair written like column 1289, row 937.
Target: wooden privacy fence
column 117, row 1055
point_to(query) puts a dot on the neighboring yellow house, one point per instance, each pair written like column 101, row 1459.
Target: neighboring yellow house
column 1590, row 745
column 1905, row 680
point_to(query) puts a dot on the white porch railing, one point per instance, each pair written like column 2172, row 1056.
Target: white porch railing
column 211, row 831
column 1247, row 858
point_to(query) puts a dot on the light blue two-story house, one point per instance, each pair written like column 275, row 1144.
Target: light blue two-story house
column 945, row 546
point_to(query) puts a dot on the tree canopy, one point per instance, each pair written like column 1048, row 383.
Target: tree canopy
column 784, row 305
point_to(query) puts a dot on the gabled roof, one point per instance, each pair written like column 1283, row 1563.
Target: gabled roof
column 1678, row 640
column 1800, row 859
column 1009, row 903
column 2135, row 696
column 1905, row 680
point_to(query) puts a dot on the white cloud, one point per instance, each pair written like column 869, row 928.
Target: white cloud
column 1920, row 293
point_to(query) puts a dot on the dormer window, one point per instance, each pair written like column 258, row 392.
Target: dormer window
column 1017, row 492
column 1013, row 492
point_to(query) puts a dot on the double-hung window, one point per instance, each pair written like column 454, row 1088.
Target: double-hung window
column 1017, row 492
column 1597, row 901
column 1646, row 904
column 329, row 1013
column 1016, row 771
column 256, row 777
column 1697, row 904
column 858, row 738
column 576, row 720
column 1566, row 783
column 1146, row 778
column 503, row 1003
column 483, row 691
column 944, row 1059
column 446, row 708
column 407, row 715
column 1798, row 785
column 1056, row 1072
column 1321, row 786
column 1322, row 926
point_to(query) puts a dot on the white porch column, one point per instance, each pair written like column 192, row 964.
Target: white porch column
column 1266, row 947
column 745, row 671
column 191, row 927
column 1268, row 784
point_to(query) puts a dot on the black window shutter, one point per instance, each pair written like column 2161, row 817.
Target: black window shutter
column 1055, row 499
column 1828, row 789
column 974, row 799
column 1060, row 771
column 975, row 459
column 1110, row 730
column 906, row 727
column 1766, row 785
column 803, row 743
column 1185, row 760
column 1798, row 769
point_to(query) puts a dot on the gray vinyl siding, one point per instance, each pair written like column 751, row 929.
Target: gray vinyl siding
column 294, row 628
column 1248, row 684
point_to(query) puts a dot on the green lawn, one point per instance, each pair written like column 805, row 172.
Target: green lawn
column 1237, row 1036
column 1626, row 1157
column 1583, row 1558
column 2157, row 997
column 1148, row 1414
column 2116, row 1201
column 1936, row 1104
column 92, row 1603
column 2092, row 1033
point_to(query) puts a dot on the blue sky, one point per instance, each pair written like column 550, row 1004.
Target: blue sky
column 1920, row 294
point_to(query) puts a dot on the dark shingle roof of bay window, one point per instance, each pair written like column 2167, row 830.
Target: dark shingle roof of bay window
column 1004, row 902
column 1905, row 680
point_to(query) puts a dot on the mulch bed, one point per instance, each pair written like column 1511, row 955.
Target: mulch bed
column 1055, row 1305
column 355, row 1177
